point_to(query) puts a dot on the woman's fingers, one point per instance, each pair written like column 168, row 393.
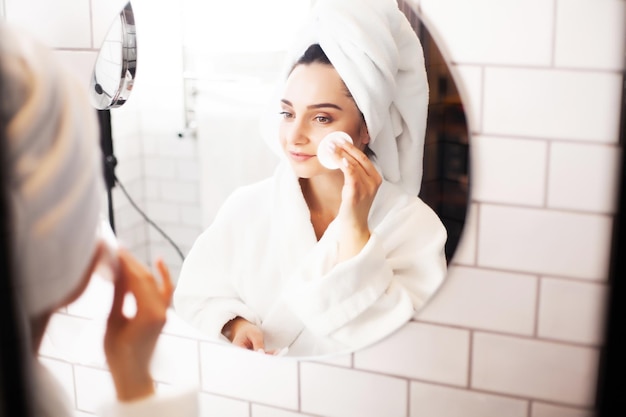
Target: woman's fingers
column 249, row 340
column 167, row 286
column 120, row 288
column 360, row 173
column 249, row 336
column 256, row 338
column 141, row 282
column 361, row 183
column 130, row 341
column 361, row 177
column 353, row 156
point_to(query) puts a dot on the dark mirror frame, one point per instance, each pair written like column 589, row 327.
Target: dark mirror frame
column 446, row 169
column 446, row 177
column 610, row 396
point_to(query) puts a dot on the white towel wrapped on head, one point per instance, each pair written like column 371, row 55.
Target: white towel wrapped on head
column 376, row 52
column 55, row 167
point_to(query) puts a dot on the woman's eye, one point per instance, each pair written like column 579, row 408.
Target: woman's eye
column 322, row 119
column 285, row 114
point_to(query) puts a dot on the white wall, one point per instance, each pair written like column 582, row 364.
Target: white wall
column 517, row 327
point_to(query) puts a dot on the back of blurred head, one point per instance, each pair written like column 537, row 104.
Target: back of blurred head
column 53, row 163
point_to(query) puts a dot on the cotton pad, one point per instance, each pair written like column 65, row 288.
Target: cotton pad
column 326, row 154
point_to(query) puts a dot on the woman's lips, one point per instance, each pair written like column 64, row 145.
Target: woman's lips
column 300, row 157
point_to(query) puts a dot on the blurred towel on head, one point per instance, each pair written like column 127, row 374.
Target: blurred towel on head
column 54, row 162
column 376, row 52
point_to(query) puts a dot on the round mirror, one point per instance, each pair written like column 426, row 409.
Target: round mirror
column 226, row 88
column 114, row 71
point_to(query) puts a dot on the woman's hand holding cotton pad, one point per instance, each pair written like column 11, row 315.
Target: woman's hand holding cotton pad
column 326, row 153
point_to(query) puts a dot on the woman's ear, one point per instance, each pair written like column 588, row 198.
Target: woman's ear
column 364, row 135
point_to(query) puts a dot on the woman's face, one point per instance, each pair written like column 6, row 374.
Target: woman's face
column 315, row 103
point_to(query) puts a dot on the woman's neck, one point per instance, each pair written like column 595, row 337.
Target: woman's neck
column 323, row 197
column 323, row 192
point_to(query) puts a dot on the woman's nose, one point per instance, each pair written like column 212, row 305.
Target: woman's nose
column 296, row 133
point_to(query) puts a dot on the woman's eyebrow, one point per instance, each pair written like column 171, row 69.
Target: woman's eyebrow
column 315, row 106
column 323, row 105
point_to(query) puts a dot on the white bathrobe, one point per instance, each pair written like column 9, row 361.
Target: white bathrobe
column 260, row 260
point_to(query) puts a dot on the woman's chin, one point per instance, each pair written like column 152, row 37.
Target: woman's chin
column 306, row 169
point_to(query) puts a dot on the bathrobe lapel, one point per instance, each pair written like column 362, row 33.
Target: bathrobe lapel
column 292, row 239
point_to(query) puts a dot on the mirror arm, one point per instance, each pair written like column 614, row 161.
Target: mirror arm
column 109, row 160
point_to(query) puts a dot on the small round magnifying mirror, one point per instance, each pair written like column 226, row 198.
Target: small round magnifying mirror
column 114, row 70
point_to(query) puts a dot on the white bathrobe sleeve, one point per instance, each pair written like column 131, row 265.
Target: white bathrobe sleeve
column 206, row 295
column 359, row 301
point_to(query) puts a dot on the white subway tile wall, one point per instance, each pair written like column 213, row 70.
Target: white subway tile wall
column 471, row 295
column 599, row 48
column 551, row 410
column 263, row 411
column 435, row 400
column 63, row 24
column 421, row 351
column 213, row 405
column 550, row 371
column 337, row 392
column 521, row 239
column 552, row 103
column 513, row 32
column 511, row 171
column 238, row 373
column 575, row 183
column 517, row 328
column 572, row 311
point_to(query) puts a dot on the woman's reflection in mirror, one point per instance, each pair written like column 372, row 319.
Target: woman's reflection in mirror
column 315, row 261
